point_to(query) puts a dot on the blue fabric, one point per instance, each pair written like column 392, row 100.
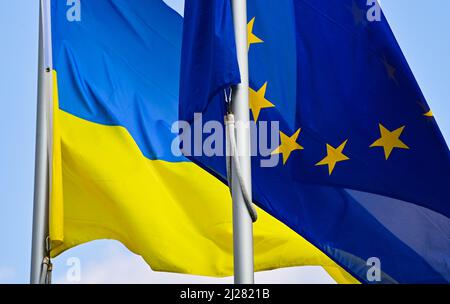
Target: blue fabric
column 338, row 76
column 120, row 65
column 209, row 64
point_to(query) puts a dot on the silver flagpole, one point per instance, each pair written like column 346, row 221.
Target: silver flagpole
column 41, row 177
column 242, row 222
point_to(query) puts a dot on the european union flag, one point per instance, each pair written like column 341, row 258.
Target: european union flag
column 365, row 171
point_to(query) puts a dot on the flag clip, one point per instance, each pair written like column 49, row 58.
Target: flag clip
column 47, row 266
column 228, row 93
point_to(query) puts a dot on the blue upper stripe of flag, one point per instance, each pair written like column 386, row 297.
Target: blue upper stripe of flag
column 120, row 65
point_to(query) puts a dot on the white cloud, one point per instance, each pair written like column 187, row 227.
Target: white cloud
column 111, row 262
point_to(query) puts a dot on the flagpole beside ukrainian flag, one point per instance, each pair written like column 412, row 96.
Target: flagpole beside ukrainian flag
column 242, row 222
column 40, row 250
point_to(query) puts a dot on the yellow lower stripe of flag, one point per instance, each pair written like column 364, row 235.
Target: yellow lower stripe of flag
column 176, row 215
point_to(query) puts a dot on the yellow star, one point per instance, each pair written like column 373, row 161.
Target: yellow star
column 288, row 145
column 334, row 155
column 258, row 101
column 389, row 140
column 391, row 70
column 429, row 114
column 252, row 38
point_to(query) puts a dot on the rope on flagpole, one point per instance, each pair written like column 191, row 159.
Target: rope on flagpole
column 233, row 159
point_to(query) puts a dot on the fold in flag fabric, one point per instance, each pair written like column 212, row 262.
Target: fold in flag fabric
column 365, row 171
column 114, row 175
column 211, row 59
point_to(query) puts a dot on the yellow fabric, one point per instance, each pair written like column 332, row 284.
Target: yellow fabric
column 56, row 187
column 340, row 275
column 176, row 215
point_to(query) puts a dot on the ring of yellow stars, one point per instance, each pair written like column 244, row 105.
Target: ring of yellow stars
column 258, row 101
column 389, row 140
column 288, row 145
column 334, row 155
column 252, row 38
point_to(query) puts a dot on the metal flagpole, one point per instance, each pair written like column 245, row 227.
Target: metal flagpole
column 41, row 178
column 242, row 222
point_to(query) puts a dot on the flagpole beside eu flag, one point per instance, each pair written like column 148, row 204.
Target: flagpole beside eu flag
column 39, row 255
column 242, row 222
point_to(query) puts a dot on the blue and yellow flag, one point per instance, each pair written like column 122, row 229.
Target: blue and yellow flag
column 364, row 172
column 115, row 175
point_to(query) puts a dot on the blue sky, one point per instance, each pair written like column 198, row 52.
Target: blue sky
column 422, row 28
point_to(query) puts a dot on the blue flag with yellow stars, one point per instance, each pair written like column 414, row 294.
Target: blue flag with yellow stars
column 364, row 171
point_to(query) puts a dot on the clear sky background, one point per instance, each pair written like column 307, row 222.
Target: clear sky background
column 422, row 28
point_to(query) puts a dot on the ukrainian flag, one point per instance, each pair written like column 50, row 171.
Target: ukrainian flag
column 114, row 175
